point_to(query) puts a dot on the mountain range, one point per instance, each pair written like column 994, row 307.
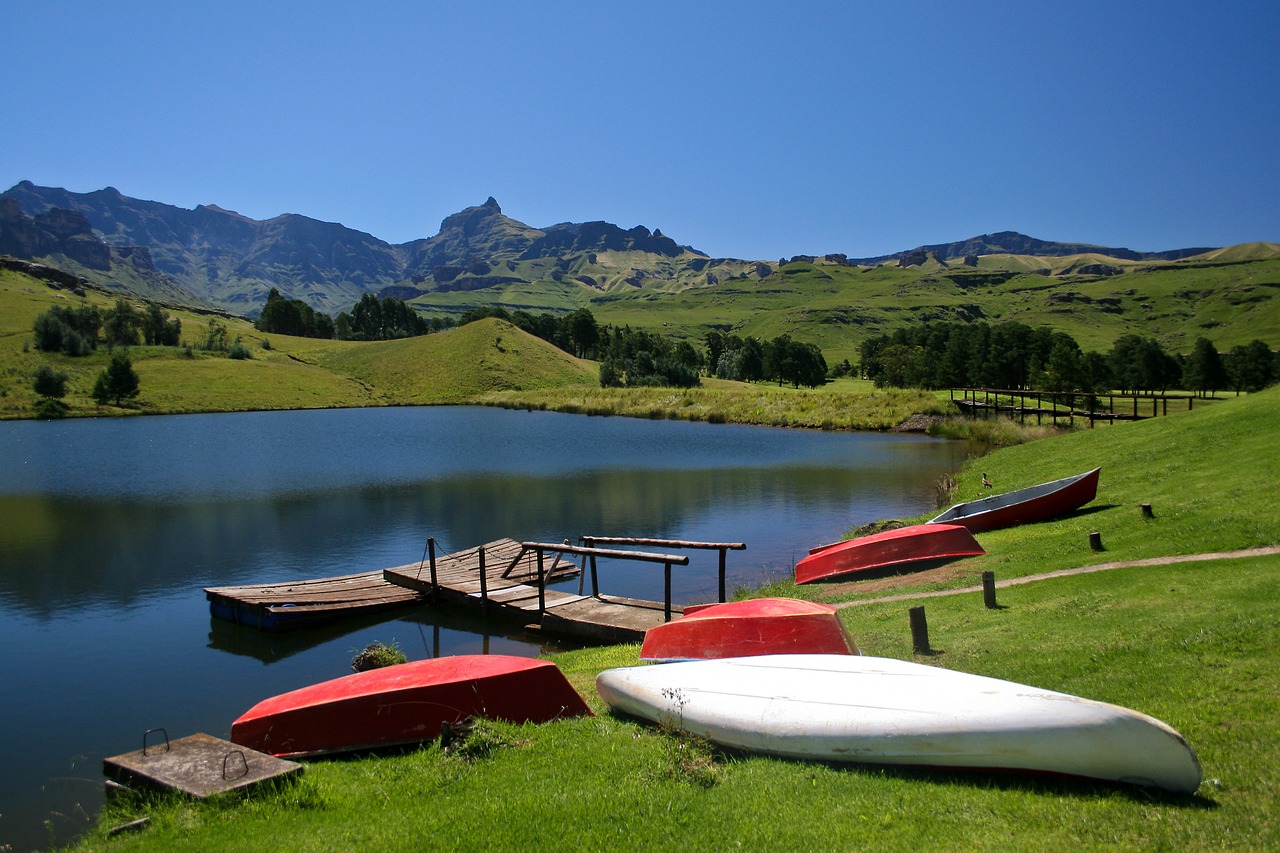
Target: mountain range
column 211, row 256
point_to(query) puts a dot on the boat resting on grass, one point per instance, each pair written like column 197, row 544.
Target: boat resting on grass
column 883, row 711
column 760, row 626
column 405, row 704
column 1024, row 506
column 900, row 546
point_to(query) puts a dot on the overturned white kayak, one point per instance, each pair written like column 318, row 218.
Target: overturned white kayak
column 884, row 711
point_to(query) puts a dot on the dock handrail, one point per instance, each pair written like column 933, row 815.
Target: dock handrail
column 722, row 547
column 668, row 560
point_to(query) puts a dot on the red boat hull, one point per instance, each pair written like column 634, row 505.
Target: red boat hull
column 1024, row 506
column 762, row 626
column 406, row 703
column 902, row 546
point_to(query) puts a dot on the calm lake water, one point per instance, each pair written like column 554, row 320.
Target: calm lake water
column 110, row 529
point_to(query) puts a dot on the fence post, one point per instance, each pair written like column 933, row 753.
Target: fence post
column 919, row 630
column 989, row 590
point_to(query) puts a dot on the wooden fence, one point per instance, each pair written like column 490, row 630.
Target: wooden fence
column 1068, row 405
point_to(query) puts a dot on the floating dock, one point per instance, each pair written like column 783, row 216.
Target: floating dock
column 501, row 579
column 509, row 580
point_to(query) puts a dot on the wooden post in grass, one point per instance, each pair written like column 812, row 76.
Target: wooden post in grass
column 919, row 631
column 1095, row 541
column 1146, row 511
column 989, row 590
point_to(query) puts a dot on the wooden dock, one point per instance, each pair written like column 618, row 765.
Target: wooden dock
column 508, row 580
column 502, row 579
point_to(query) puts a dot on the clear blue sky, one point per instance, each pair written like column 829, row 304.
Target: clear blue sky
column 745, row 129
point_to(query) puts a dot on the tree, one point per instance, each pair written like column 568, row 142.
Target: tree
column 580, row 332
column 118, row 381
column 158, row 329
column 1062, row 371
column 1252, row 366
column 1204, row 371
column 50, row 383
column 215, row 339
column 73, row 331
column 715, row 343
column 121, row 324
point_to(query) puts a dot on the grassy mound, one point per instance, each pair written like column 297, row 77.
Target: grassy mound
column 455, row 366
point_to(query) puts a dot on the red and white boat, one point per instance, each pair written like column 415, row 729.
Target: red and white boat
column 406, row 703
column 1024, row 506
column 903, row 546
column 761, row 626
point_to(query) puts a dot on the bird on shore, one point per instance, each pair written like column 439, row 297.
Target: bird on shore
column 986, row 484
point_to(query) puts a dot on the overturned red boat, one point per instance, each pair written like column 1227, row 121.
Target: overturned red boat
column 1024, row 506
column 905, row 545
column 407, row 703
column 760, row 626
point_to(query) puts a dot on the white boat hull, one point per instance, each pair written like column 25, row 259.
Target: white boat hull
column 884, row 711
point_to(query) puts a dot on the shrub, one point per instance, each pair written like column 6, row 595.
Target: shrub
column 376, row 655
column 239, row 350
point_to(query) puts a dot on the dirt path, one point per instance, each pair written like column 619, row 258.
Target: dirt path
column 949, row 572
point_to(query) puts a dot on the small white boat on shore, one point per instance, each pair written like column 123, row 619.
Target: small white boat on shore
column 884, row 711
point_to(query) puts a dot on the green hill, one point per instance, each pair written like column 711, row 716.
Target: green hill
column 478, row 358
column 284, row 372
column 837, row 306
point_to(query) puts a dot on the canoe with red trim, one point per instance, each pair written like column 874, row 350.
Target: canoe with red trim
column 1024, row 506
column 405, row 704
column 902, row 546
column 760, row 626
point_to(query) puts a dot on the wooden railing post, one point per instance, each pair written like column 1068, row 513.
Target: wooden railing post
column 723, row 552
column 484, row 584
column 435, row 581
column 542, row 585
column 666, row 598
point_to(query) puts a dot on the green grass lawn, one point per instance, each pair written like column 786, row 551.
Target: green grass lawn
column 1192, row 644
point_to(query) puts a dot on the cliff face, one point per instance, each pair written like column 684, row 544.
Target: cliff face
column 54, row 232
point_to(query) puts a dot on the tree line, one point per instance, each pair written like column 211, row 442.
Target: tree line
column 78, row 331
column 1018, row 357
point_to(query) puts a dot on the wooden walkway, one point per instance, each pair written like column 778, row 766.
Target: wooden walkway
column 508, row 588
column 513, row 586
column 502, row 579
column 1067, row 405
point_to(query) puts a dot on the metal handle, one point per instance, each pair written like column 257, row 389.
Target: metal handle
column 148, row 732
column 244, row 761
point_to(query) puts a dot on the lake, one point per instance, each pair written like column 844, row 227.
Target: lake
column 111, row 528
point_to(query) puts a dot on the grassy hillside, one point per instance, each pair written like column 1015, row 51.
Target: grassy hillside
column 457, row 365
column 1209, row 475
column 837, row 307
column 284, row 372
